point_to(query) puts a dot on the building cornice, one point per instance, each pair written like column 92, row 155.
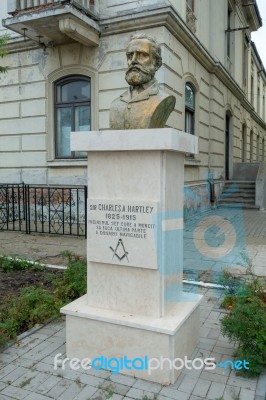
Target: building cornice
column 166, row 16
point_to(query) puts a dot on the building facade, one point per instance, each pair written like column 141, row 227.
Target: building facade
column 67, row 63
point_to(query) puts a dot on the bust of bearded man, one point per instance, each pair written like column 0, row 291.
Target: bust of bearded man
column 144, row 105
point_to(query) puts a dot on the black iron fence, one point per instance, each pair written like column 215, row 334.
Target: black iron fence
column 43, row 209
column 12, row 206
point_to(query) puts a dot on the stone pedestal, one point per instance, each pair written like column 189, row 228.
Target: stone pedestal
column 135, row 305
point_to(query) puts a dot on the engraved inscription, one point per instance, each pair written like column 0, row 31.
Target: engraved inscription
column 131, row 224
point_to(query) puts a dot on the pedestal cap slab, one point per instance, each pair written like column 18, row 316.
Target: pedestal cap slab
column 135, row 140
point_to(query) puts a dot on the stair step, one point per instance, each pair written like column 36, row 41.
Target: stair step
column 235, row 188
column 235, row 181
column 239, row 187
column 240, row 183
column 237, row 195
column 239, row 192
column 237, row 200
column 238, row 205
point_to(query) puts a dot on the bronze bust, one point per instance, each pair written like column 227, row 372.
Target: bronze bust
column 144, row 105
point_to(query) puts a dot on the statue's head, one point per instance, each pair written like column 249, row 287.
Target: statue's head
column 143, row 59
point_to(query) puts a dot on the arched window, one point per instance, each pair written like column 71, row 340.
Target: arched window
column 251, row 146
column 189, row 109
column 72, row 112
column 258, row 148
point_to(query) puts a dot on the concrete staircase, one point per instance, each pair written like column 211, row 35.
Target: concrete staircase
column 239, row 194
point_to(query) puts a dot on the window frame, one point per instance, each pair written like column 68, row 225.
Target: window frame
column 75, row 155
column 258, row 147
column 244, row 143
column 258, row 100
column 192, row 6
column 251, row 146
column 191, row 111
column 252, row 90
column 230, row 38
column 245, row 62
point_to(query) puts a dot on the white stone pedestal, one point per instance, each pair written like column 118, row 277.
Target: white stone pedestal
column 135, row 305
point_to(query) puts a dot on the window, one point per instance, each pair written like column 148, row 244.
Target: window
column 189, row 109
column 245, row 62
column 72, row 113
column 258, row 148
column 190, row 3
column 227, row 152
column 228, row 39
column 251, row 146
column 244, row 144
column 258, row 101
column 252, row 88
column 263, row 103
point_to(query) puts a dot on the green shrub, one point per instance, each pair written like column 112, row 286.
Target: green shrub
column 73, row 284
column 4, row 337
column 35, row 305
column 246, row 322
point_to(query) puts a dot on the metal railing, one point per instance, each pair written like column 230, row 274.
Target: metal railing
column 15, row 6
column 43, row 209
column 12, row 206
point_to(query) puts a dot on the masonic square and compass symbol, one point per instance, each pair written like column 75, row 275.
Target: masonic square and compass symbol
column 120, row 251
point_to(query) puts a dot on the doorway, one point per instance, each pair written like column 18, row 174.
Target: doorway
column 227, row 147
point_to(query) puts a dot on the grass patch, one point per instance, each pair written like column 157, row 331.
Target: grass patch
column 35, row 305
column 25, row 383
column 12, row 264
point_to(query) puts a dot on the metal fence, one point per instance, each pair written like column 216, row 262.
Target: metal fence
column 12, row 207
column 43, row 209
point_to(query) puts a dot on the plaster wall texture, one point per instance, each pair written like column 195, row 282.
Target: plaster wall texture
column 26, row 93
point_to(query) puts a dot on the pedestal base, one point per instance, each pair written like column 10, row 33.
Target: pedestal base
column 94, row 332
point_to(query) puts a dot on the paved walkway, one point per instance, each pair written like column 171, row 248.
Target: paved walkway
column 225, row 239
column 27, row 369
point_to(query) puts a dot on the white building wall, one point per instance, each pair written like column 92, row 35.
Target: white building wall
column 26, row 96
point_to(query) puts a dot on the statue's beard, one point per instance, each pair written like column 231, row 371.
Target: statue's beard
column 137, row 75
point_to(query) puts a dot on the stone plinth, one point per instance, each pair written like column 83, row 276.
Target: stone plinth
column 134, row 305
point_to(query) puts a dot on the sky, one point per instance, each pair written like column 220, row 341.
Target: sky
column 259, row 37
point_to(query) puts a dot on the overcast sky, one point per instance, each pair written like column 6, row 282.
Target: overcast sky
column 259, row 37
